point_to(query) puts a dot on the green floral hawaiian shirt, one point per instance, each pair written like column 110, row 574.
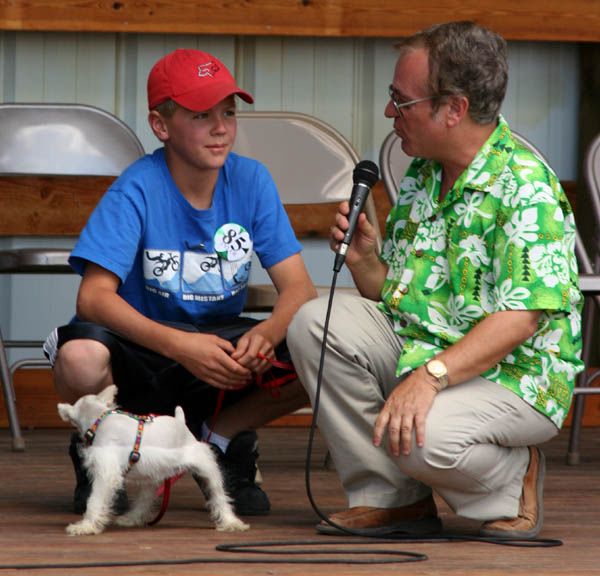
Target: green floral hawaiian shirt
column 502, row 239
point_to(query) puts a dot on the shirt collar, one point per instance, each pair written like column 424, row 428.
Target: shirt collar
column 490, row 160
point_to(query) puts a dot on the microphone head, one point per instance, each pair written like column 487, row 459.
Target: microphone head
column 366, row 172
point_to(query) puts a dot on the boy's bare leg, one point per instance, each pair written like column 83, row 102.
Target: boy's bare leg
column 260, row 407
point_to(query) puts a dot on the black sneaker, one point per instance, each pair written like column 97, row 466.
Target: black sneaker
column 83, row 486
column 238, row 466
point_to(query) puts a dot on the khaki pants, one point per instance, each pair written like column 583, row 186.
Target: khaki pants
column 475, row 454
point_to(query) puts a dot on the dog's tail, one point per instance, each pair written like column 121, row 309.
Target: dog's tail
column 179, row 415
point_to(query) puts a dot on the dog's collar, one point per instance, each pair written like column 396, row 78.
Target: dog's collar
column 135, row 455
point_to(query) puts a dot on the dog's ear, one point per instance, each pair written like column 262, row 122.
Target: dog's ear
column 65, row 411
column 108, row 395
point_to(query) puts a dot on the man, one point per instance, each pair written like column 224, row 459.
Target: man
column 464, row 346
column 165, row 260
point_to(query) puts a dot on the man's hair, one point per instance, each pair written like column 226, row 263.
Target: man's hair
column 465, row 59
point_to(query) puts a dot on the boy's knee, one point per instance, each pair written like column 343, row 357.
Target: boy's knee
column 81, row 367
column 78, row 354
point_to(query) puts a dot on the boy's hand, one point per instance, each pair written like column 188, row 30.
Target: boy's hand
column 210, row 359
column 253, row 349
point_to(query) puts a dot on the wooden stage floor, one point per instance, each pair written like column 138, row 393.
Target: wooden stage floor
column 35, row 500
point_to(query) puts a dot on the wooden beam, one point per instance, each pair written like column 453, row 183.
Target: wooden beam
column 552, row 20
column 37, row 399
column 61, row 205
column 48, row 205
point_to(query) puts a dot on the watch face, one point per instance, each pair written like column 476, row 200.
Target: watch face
column 436, row 368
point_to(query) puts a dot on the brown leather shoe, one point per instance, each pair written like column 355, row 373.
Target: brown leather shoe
column 531, row 509
column 418, row 518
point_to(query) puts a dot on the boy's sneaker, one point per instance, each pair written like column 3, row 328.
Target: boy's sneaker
column 83, row 486
column 238, row 466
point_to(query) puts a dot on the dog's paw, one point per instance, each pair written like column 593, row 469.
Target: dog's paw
column 234, row 525
column 83, row 528
column 129, row 521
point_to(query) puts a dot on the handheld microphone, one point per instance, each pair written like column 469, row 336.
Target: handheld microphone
column 365, row 175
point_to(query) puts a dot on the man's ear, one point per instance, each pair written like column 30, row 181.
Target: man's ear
column 458, row 108
column 158, row 125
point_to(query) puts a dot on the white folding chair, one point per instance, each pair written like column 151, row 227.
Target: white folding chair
column 394, row 163
column 53, row 140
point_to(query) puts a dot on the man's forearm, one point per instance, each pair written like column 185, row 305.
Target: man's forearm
column 488, row 343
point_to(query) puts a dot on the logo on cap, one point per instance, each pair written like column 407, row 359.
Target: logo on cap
column 208, row 69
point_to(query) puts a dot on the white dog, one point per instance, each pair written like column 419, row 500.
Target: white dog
column 163, row 449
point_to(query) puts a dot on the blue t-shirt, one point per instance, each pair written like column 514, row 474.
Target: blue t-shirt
column 177, row 263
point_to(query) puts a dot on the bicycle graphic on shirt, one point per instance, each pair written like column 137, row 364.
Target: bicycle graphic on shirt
column 164, row 261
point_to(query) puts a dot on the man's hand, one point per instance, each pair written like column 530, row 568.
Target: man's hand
column 364, row 240
column 210, row 359
column 362, row 259
column 404, row 412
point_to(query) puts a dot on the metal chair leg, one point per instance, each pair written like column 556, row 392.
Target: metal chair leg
column 574, row 436
column 10, row 400
column 588, row 316
column 578, row 410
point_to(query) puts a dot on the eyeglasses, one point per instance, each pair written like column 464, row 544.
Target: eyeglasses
column 399, row 105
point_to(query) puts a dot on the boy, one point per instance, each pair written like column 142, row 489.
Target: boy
column 165, row 260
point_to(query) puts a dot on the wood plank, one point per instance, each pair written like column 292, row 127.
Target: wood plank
column 556, row 20
column 61, row 205
column 36, row 404
column 37, row 400
column 37, row 487
column 48, row 205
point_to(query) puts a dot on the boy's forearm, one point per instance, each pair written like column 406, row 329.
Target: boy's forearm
column 110, row 310
column 288, row 303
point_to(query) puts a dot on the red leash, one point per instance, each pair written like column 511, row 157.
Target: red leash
column 267, row 381
column 272, row 384
column 166, row 494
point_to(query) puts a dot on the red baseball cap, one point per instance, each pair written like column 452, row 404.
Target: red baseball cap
column 195, row 80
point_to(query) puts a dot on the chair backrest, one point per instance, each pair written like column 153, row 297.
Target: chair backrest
column 393, row 163
column 592, row 178
column 592, row 173
column 64, row 139
column 309, row 160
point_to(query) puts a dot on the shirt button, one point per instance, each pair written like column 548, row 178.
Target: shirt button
column 419, row 253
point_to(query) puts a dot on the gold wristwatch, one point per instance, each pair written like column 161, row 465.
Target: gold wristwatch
column 438, row 370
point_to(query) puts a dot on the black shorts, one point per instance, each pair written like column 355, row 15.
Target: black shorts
column 149, row 383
